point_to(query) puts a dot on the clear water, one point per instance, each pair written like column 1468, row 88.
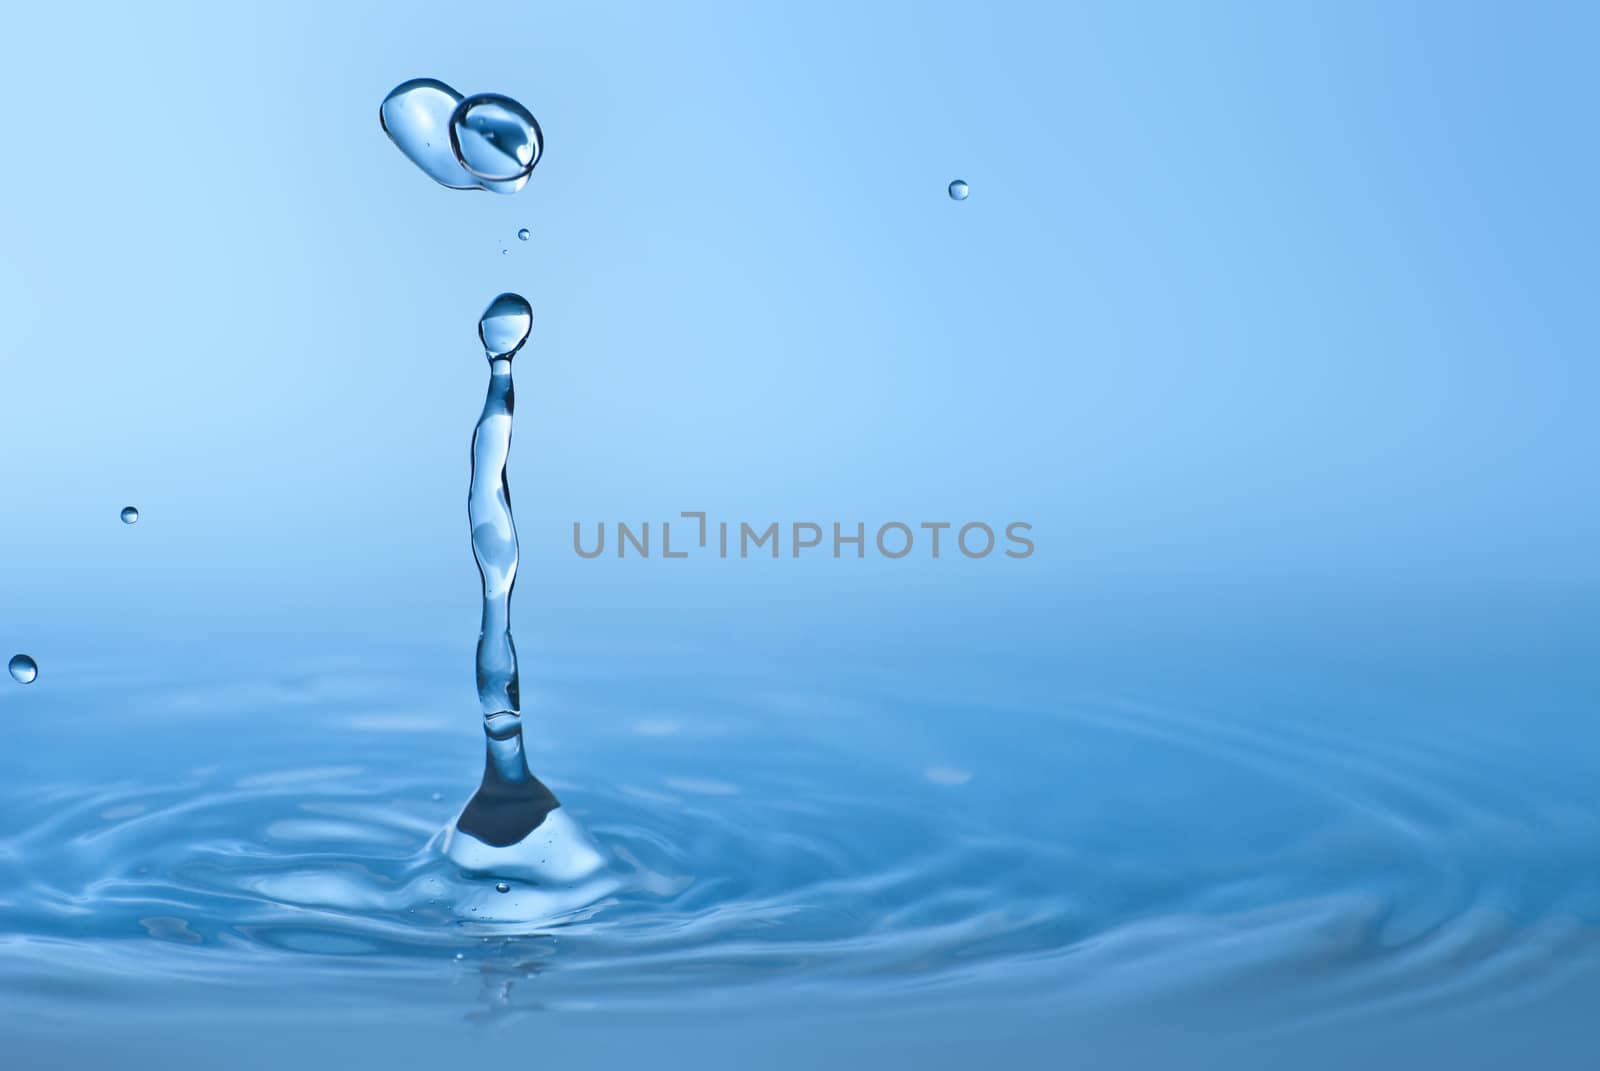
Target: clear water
column 494, row 535
column 23, row 669
column 496, row 139
column 486, row 141
column 1294, row 863
column 503, row 329
column 1281, row 753
column 959, row 190
column 129, row 515
column 416, row 116
column 513, row 825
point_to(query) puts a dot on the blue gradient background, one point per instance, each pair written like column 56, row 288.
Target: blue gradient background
column 1275, row 321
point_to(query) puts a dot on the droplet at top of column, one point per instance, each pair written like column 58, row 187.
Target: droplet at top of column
column 504, row 326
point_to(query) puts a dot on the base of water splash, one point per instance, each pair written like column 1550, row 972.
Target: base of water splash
column 513, row 827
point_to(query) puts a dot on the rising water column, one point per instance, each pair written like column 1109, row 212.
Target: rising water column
column 513, row 825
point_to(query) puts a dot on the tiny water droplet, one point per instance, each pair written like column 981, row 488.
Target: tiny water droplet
column 524, row 234
column 438, row 796
column 23, row 669
column 959, row 190
column 496, row 139
column 130, row 515
column 461, row 955
column 501, row 886
column 503, row 252
column 504, row 326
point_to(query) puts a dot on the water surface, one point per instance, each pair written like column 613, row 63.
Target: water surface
column 842, row 844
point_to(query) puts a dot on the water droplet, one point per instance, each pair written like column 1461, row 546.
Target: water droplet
column 501, row 886
column 497, row 140
column 958, row 190
column 503, row 252
column 130, row 515
column 438, row 796
column 23, row 669
column 504, row 325
column 416, row 116
column 524, row 234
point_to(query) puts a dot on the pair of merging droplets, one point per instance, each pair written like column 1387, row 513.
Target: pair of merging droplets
column 482, row 142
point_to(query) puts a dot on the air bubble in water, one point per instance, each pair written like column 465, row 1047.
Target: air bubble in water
column 504, row 326
column 23, row 669
column 501, row 886
column 524, row 234
column 497, row 140
column 959, row 190
column 130, row 515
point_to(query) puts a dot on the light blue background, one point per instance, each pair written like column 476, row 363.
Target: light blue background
column 1251, row 305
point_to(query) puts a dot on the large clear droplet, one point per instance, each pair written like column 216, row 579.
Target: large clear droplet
column 959, row 190
column 23, row 669
column 416, row 116
column 130, row 515
column 504, row 325
column 524, row 234
column 497, row 140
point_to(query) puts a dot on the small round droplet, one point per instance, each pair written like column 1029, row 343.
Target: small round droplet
column 959, row 190
column 24, row 670
column 524, row 234
column 130, row 515
column 504, row 252
column 501, row 886
column 495, row 138
column 504, row 326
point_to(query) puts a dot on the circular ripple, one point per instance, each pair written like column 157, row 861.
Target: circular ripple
column 1110, row 849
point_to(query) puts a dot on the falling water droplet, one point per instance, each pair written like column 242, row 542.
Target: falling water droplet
column 23, row 669
column 501, row 886
column 496, row 140
column 130, row 515
column 524, row 234
column 416, row 116
column 958, row 190
column 504, row 326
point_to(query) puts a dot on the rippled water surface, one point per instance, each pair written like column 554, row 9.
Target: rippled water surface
column 1326, row 862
